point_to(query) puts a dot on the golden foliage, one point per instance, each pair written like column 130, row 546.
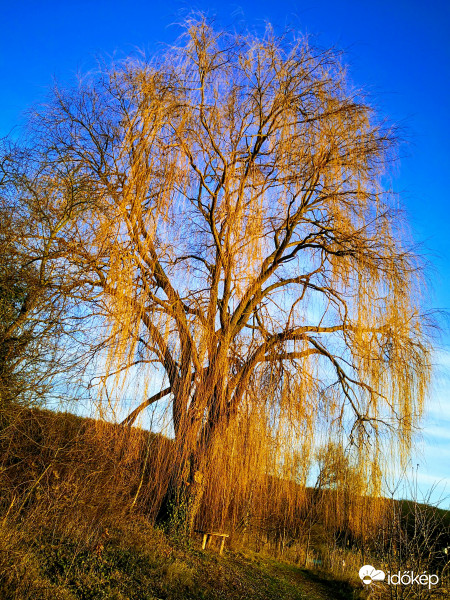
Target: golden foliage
column 228, row 222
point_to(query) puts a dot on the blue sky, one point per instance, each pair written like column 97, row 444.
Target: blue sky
column 397, row 50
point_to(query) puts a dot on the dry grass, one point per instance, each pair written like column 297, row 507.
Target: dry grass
column 73, row 525
column 137, row 562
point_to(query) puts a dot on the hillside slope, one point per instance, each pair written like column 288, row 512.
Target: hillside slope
column 137, row 562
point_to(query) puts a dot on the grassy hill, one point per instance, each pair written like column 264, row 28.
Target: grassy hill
column 134, row 561
column 73, row 526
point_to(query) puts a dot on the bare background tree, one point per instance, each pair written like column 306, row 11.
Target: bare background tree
column 34, row 306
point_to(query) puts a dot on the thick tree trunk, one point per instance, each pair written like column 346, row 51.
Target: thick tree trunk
column 182, row 500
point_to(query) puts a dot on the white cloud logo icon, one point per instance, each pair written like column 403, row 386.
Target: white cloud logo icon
column 367, row 574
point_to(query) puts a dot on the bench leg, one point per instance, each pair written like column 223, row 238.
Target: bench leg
column 205, row 540
column 222, row 544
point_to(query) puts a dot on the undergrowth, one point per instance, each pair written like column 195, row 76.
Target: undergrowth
column 136, row 561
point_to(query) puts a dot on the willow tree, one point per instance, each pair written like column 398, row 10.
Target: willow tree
column 234, row 231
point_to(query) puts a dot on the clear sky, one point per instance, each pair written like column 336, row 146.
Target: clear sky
column 397, row 50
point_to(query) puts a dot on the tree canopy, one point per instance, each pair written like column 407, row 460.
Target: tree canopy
column 225, row 223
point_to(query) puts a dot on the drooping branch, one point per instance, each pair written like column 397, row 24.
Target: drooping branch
column 130, row 419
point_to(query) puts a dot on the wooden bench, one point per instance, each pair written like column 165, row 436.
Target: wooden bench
column 207, row 535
